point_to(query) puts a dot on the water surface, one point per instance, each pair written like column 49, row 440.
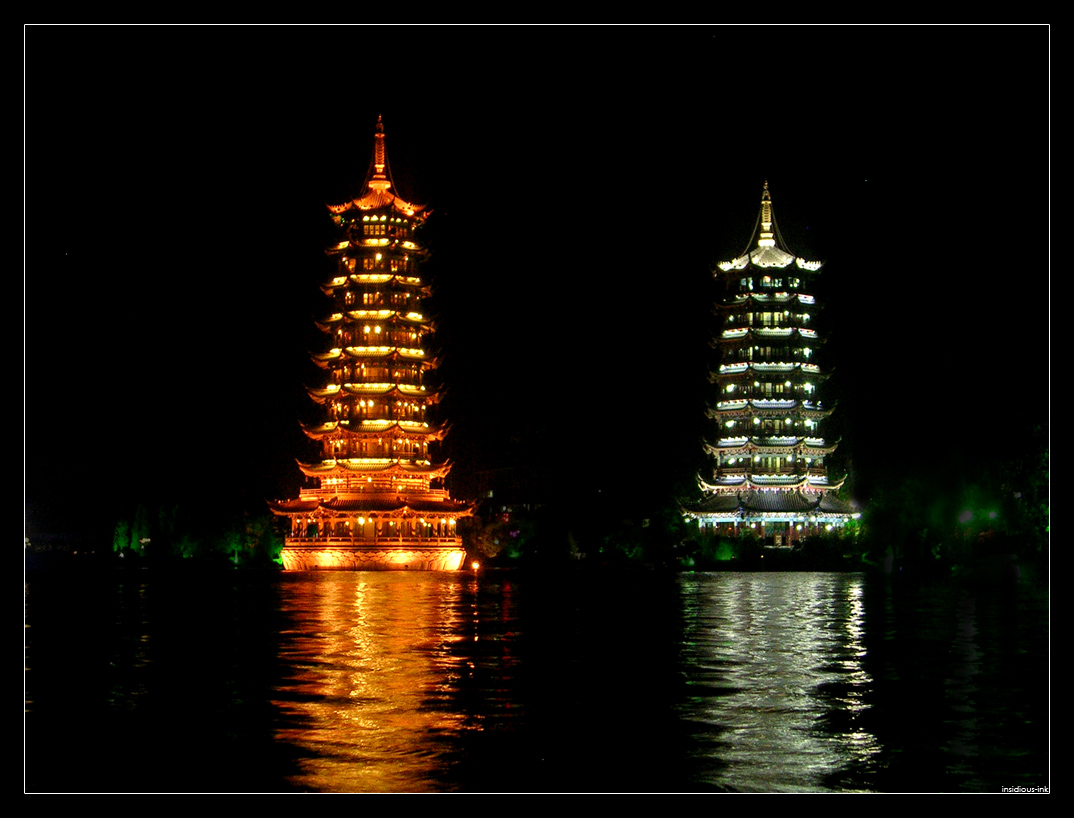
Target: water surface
column 411, row 682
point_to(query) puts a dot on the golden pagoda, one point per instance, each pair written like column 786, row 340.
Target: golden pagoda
column 769, row 475
column 379, row 501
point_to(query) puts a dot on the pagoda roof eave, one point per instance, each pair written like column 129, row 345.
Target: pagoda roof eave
column 385, row 353
column 360, row 353
column 389, row 317
column 752, row 445
column 750, row 407
column 735, row 370
column 729, row 336
column 320, row 394
column 378, row 428
column 838, row 484
column 373, row 276
column 768, row 258
column 287, row 507
column 379, row 200
column 394, row 505
column 752, row 504
column 380, row 390
column 739, row 300
column 757, row 482
column 373, row 466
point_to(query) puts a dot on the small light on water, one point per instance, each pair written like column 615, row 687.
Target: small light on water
column 475, row 565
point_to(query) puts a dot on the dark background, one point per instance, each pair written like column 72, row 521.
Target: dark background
column 583, row 182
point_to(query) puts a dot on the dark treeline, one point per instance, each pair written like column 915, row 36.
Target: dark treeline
column 932, row 524
column 936, row 523
column 166, row 535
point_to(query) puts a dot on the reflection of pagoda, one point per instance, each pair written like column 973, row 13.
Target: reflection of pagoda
column 380, row 501
column 767, row 453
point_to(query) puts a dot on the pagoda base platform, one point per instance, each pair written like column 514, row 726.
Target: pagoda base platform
column 328, row 557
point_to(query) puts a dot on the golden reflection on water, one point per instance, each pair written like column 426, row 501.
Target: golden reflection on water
column 370, row 650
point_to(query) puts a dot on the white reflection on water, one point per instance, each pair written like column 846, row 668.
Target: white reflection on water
column 770, row 655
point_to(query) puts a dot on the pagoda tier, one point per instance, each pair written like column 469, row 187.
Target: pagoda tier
column 757, row 508
column 768, row 471
column 748, row 336
column 366, row 429
column 776, row 445
column 726, row 410
column 397, row 506
column 376, row 499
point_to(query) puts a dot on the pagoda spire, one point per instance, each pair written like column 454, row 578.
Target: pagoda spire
column 768, row 252
column 379, row 177
column 377, row 190
column 766, row 239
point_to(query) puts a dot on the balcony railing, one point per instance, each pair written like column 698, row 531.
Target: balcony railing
column 373, row 542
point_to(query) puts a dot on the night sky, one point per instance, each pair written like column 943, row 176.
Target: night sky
column 583, row 182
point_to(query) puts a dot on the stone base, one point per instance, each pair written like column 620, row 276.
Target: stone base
column 344, row 558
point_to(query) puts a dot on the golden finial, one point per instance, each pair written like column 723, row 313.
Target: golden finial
column 766, row 219
column 379, row 180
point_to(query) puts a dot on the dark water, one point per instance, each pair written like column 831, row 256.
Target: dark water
column 397, row 682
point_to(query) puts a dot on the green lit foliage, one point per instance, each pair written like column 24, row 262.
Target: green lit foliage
column 229, row 545
column 723, row 552
column 624, row 543
column 133, row 534
column 847, row 541
column 141, row 534
column 495, row 539
column 164, row 533
column 638, row 531
column 719, row 549
column 826, row 551
column 1023, row 489
column 943, row 522
column 186, row 546
column 121, row 538
column 251, row 541
column 262, row 541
